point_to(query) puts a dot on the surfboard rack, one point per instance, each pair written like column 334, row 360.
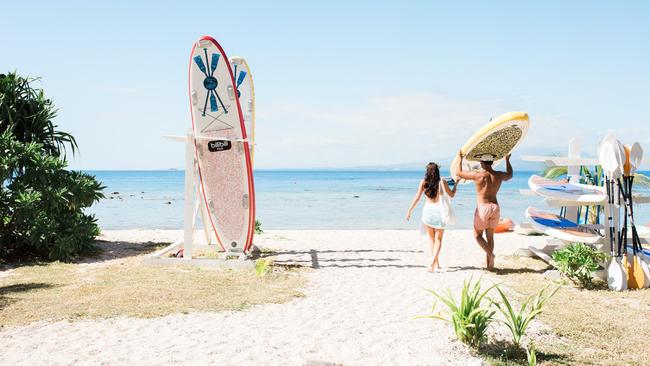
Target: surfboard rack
column 574, row 162
column 199, row 245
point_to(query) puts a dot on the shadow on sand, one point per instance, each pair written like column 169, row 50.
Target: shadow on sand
column 315, row 261
column 506, row 353
column 7, row 291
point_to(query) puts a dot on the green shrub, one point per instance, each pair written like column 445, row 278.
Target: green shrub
column 469, row 316
column 518, row 320
column 263, row 266
column 41, row 203
column 258, row 227
column 578, row 262
column 28, row 115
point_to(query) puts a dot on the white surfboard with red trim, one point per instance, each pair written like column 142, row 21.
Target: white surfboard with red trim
column 221, row 147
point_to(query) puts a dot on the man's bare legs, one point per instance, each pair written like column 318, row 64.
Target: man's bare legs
column 487, row 244
column 489, row 235
column 435, row 240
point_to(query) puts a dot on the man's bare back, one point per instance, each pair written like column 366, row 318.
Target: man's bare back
column 488, row 181
column 486, row 217
column 488, row 184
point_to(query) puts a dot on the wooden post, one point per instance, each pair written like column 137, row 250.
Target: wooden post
column 190, row 193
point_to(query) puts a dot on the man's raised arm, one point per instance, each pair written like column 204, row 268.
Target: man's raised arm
column 460, row 173
column 508, row 173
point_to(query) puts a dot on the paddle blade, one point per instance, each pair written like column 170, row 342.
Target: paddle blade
column 616, row 276
column 636, row 156
column 646, row 271
column 213, row 103
column 627, row 168
column 240, row 79
column 635, row 275
column 199, row 62
column 215, row 61
column 608, row 159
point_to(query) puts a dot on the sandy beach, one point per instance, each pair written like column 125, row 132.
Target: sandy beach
column 363, row 292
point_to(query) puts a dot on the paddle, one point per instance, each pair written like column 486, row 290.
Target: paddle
column 635, row 275
column 642, row 270
column 611, row 161
column 620, row 156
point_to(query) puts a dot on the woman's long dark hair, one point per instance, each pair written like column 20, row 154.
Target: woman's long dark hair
column 432, row 180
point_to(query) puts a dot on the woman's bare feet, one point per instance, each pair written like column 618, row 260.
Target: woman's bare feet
column 434, row 267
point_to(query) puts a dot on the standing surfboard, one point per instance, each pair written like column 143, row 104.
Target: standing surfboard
column 246, row 94
column 493, row 142
column 222, row 151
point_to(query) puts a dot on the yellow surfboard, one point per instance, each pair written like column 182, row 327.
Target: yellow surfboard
column 493, row 142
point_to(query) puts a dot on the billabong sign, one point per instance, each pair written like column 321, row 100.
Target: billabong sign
column 219, row 145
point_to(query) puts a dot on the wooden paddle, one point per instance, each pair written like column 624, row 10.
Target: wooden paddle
column 641, row 268
column 611, row 162
column 635, row 275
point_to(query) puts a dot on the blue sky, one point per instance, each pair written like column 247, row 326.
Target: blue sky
column 339, row 83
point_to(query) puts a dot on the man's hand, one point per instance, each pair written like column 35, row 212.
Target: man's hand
column 508, row 157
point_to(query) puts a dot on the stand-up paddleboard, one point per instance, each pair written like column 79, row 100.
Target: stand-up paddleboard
column 246, row 95
column 493, row 142
column 221, row 147
column 567, row 192
column 561, row 228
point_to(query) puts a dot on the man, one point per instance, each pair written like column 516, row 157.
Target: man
column 486, row 216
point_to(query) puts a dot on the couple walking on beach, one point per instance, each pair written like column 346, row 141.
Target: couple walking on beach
column 438, row 213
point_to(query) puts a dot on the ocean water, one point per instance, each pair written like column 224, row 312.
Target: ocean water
column 302, row 199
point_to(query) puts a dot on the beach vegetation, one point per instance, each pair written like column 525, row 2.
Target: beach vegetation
column 518, row 320
column 29, row 116
column 470, row 315
column 531, row 355
column 578, row 262
column 263, row 266
column 258, row 227
column 105, row 286
column 580, row 327
column 41, row 202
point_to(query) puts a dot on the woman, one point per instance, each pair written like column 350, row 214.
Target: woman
column 432, row 216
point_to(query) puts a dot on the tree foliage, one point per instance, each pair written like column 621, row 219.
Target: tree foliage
column 41, row 202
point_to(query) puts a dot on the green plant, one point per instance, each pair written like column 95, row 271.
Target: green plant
column 469, row 317
column 258, row 227
column 263, row 266
column 41, row 202
column 518, row 320
column 531, row 355
column 28, row 115
column 578, row 262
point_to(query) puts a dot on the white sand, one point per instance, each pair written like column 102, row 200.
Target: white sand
column 359, row 309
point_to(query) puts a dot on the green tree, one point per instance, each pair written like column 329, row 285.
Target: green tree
column 41, row 202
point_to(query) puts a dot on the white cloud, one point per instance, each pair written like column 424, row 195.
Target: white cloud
column 405, row 128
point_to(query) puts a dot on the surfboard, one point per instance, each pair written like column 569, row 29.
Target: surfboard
column 561, row 228
column 493, row 142
column 568, row 192
column 221, row 147
column 246, row 95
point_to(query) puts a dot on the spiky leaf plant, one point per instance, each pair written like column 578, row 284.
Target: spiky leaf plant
column 470, row 315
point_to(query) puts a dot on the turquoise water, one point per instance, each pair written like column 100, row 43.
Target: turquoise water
column 304, row 199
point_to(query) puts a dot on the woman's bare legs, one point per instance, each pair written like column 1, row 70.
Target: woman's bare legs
column 435, row 241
